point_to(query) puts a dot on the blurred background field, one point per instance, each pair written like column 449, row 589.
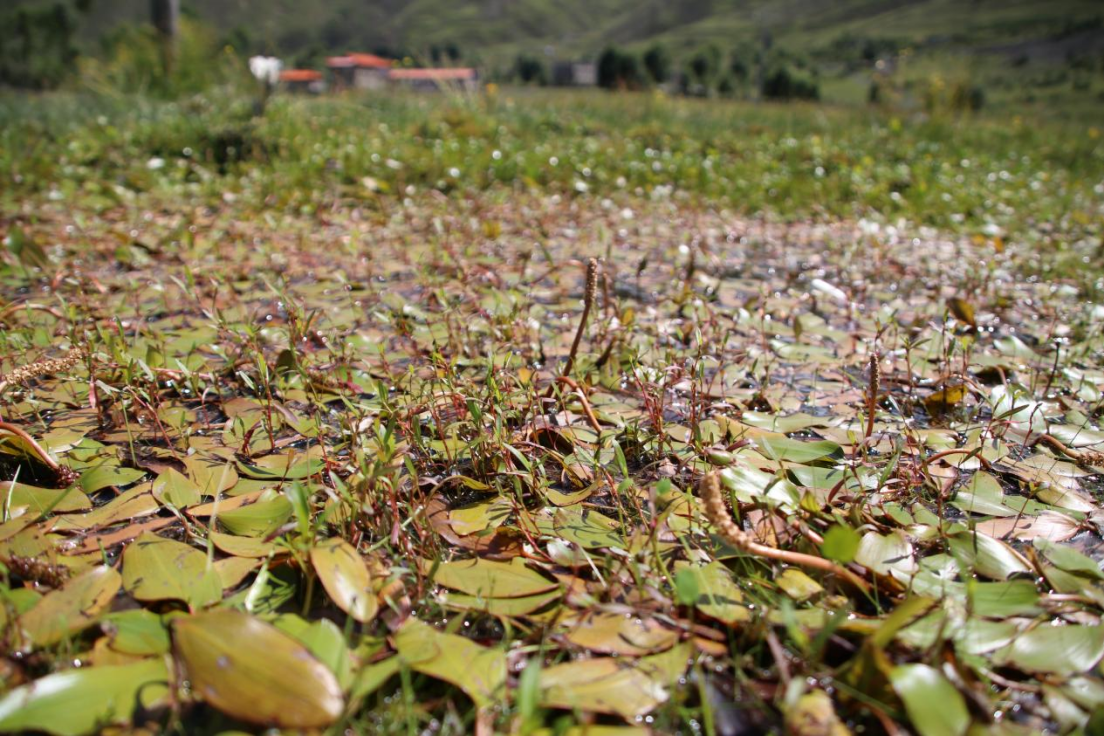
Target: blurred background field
column 1025, row 56
column 958, row 114
column 847, row 257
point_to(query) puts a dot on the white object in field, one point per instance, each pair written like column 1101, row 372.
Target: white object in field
column 266, row 68
column 833, row 291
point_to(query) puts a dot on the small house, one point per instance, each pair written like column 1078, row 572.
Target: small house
column 359, row 71
column 574, row 74
column 302, row 81
column 431, row 80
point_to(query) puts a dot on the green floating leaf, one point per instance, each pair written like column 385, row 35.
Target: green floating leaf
column 254, row 672
column 138, row 632
column 233, row 570
column 128, row 506
column 615, row 633
column 751, row 485
column 934, row 706
column 987, row 556
column 175, row 488
column 345, row 578
column 371, row 677
column 601, row 686
column 491, row 579
column 779, row 423
column 257, row 519
column 1059, row 650
column 478, row 671
column 885, row 553
column 103, row 476
column 72, row 608
column 798, row 585
column 157, row 569
column 982, row 495
column 83, row 701
column 716, row 593
column 324, row 640
column 211, row 475
column 798, row 451
column 292, row 466
column 241, row 546
column 500, row 606
column 588, row 529
column 1069, row 559
column 841, row 544
column 1004, row 599
column 479, row 516
column 41, row 500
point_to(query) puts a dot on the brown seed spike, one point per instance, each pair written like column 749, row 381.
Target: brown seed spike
column 872, row 393
column 592, row 281
column 717, row 513
column 45, row 367
column 588, row 302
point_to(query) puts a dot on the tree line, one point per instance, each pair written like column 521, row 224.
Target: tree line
column 744, row 72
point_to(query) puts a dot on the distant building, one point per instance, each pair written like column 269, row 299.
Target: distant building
column 359, row 71
column 574, row 74
column 430, row 80
column 302, row 80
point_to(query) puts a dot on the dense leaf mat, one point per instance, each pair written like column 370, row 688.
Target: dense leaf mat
column 319, row 471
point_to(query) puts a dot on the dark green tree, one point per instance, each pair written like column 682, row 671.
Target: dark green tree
column 657, row 63
column 37, row 47
column 529, row 69
column 608, row 62
column 704, row 65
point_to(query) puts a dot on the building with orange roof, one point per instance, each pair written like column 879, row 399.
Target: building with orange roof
column 302, row 80
column 359, row 71
column 463, row 78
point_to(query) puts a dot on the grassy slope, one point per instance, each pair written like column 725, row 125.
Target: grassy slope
column 494, row 27
column 972, row 41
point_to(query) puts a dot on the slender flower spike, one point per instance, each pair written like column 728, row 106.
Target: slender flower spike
column 588, row 301
column 591, row 282
column 717, row 513
column 872, row 393
column 43, row 368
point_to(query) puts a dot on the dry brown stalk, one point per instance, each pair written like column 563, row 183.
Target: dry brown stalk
column 717, row 513
column 11, row 309
column 582, row 400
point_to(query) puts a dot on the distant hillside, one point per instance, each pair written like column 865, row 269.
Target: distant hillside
column 497, row 29
column 1043, row 53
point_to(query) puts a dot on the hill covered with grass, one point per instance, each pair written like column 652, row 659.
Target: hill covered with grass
column 496, row 28
column 1019, row 54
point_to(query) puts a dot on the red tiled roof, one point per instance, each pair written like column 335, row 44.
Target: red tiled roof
column 363, row 61
column 300, row 75
column 437, row 75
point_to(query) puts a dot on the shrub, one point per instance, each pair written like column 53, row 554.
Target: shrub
column 783, row 83
column 530, row 70
column 705, row 64
column 36, row 46
column 132, row 62
column 657, row 63
column 619, row 70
